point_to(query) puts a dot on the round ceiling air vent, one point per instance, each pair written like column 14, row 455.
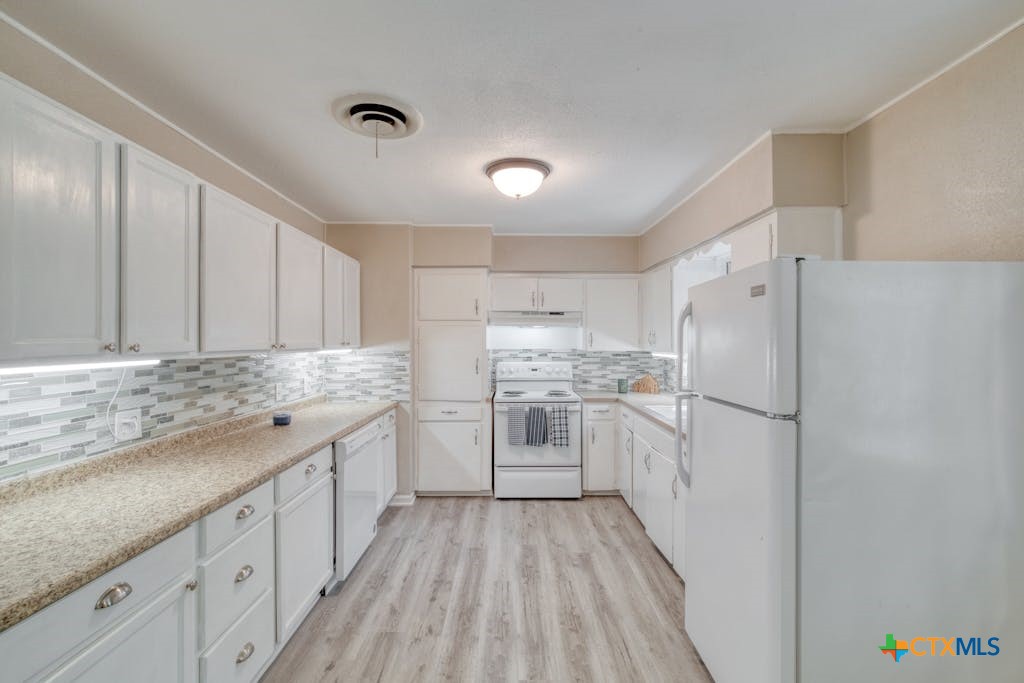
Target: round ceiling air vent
column 377, row 116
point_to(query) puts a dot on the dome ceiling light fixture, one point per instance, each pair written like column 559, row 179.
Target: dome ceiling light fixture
column 377, row 116
column 517, row 178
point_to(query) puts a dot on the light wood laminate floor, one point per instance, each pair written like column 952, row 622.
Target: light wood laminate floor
column 476, row 589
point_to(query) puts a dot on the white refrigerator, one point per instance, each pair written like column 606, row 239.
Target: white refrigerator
column 855, row 458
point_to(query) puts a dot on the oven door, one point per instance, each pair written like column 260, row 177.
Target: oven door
column 537, row 456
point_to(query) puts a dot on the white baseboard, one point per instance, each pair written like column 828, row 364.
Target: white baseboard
column 402, row 499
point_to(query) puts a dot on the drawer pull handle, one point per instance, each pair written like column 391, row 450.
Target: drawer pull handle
column 110, row 347
column 449, row 412
column 245, row 511
column 244, row 573
column 245, row 653
column 311, row 468
column 114, row 595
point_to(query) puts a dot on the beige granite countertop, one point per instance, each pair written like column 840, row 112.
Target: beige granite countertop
column 636, row 401
column 65, row 528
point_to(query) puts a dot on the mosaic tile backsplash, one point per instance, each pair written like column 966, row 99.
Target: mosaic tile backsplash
column 599, row 371
column 47, row 419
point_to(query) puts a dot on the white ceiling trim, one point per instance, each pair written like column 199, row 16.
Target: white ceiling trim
column 29, row 33
column 949, row 67
column 761, row 138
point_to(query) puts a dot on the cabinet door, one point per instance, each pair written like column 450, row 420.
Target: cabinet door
column 157, row 644
column 514, row 294
column 624, row 465
column 389, row 454
column 560, row 294
column 305, row 553
column 451, row 362
column 58, row 231
column 679, row 527
column 752, row 243
column 599, row 466
column 238, row 283
column 450, row 295
column 660, row 510
column 353, row 327
column 334, row 298
column 641, row 458
column 159, row 255
column 657, row 310
column 300, row 289
column 450, row 456
column 612, row 314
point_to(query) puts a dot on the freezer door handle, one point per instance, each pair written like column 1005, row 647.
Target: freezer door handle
column 686, row 314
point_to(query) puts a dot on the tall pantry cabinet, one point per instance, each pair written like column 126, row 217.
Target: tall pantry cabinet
column 451, row 381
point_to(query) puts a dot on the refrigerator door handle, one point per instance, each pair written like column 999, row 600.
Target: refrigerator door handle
column 685, row 393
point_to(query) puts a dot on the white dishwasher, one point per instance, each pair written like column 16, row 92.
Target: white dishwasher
column 356, row 459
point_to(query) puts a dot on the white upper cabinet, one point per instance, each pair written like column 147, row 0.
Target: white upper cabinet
column 560, row 294
column 792, row 231
column 514, row 293
column 341, row 300
column 656, row 300
column 238, row 267
column 299, row 289
column 353, row 334
column 612, row 314
column 451, row 294
column 58, row 231
column 159, row 255
column 518, row 293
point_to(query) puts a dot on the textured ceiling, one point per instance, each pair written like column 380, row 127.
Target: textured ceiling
column 633, row 104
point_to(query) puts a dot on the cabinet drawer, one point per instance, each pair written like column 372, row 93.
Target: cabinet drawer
column 600, row 411
column 434, row 413
column 242, row 651
column 241, row 514
column 231, row 580
column 45, row 637
column 302, row 474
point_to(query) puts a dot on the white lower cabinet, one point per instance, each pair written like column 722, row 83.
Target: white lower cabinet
column 679, row 528
column 641, row 474
column 156, row 644
column 599, row 448
column 451, row 455
column 624, row 463
column 659, row 502
column 305, row 553
column 240, row 654
column 389, row 467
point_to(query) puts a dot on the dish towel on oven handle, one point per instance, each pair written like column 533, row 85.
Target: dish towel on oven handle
column 559, row 426
column 517, row 425
column 536, row 426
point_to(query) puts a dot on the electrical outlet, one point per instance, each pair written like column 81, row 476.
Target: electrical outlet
column 307, row 385
column 128, row 425
column 278, row 392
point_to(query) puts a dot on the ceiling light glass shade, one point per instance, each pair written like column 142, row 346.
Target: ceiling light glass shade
column 517, row 177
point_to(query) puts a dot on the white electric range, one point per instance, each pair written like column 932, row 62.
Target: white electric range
column 546, row 471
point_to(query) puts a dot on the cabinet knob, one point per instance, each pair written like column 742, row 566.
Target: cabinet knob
column 114, row 595
column 192, row 585
column 245, row 652
column 110, row 347
column 476, row 437
column 245, row 511
column 311, row 468
column 244, row 573
column 476, row 306
column 135, row 347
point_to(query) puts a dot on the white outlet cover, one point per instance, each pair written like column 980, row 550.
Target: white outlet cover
column 278, row 392
column 307, row 385
column 128, row 425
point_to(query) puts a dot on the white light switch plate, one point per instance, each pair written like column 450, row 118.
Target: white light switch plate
column 128, row 425
column 278, row 392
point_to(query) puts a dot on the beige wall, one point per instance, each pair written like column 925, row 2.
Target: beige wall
column 37, row 67
column 451, row 246
column 940, row 174
column 565, row 254
column 384, row 253
column 741, row 191
column 807, row 170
